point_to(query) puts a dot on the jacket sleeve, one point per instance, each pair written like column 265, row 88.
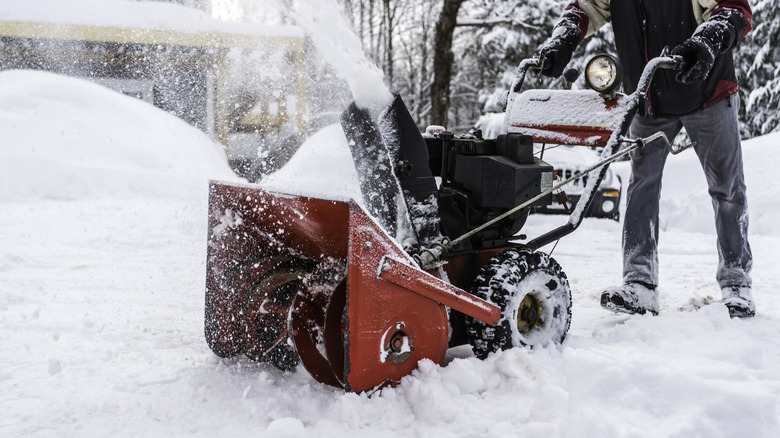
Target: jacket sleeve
column 588, row 15
column 737, row 13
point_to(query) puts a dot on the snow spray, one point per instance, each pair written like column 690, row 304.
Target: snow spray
column 339, row 46
column 325, row 22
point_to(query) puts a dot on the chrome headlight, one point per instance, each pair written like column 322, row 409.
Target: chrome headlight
column 603, row 73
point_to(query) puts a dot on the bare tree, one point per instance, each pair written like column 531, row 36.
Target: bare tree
column 389, row 16
column 442, row 61
column 413, row 41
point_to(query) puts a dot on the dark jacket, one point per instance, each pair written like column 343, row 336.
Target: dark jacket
column 643, row 28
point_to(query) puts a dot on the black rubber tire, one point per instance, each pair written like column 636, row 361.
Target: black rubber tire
column 535, row 300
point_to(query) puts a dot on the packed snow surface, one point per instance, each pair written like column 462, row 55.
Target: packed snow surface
column 102, row 269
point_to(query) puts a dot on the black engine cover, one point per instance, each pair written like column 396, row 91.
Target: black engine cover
column 498, row 182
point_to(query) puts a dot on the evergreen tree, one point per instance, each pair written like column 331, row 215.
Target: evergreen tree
column 758, row 70
column 504, row 34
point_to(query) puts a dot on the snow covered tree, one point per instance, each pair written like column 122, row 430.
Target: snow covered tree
column 495, row 37
column 758, row 70
column 398, row 36
column 491, row 37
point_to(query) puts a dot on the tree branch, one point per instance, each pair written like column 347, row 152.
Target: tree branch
column 495, row 22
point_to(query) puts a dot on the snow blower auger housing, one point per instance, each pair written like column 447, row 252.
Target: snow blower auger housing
column 360, row 292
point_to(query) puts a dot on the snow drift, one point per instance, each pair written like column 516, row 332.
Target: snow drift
column 67, row 138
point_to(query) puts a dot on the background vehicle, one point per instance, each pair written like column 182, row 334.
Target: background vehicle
column 569, row 160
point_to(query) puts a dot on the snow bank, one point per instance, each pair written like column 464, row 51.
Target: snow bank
column 686, row 205
column 321, row 168
column 66, row 138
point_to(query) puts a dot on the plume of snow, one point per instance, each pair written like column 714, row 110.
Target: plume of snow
column 325, row 22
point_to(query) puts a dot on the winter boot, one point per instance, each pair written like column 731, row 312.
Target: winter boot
column 739, row 301
column 632, row 297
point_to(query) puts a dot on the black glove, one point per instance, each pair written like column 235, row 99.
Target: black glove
column 698, row 57
column 556, row 53
column 711, row 38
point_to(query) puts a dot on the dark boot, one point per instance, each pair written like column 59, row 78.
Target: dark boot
column 632, row 297
column 739, row 301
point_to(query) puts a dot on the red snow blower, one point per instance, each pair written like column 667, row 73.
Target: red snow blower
column 432, row 258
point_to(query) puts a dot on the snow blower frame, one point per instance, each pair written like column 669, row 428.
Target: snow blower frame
column 326, row 283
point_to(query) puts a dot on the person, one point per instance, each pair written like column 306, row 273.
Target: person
column 701, row 96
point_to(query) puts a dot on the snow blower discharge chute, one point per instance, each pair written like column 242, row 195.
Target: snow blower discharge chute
column 360, row 293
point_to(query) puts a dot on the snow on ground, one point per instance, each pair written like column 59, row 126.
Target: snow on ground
column 102, row 269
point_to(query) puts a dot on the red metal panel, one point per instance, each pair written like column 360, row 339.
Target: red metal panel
column 389, row 328
column 247, row 227
column 272, row 222
column 570, row 117
column 411, row 278
column 568, row 135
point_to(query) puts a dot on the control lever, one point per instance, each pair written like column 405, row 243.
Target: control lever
column 641, row 142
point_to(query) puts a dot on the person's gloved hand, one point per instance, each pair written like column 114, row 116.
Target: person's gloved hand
column 711, row 38
column 554, row 56
column 556, row 53
column 698, row 57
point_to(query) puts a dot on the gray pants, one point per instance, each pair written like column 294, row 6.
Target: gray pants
column 716, row 133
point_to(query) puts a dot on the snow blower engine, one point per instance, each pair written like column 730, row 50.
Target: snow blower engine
column 359, row 292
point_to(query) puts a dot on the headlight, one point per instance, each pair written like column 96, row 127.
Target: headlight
column 603, row 74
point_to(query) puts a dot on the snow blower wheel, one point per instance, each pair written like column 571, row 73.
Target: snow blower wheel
column 533, row 294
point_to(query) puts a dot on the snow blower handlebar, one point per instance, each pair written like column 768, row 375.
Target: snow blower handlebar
column 633, row 103
column 665, row 61
column 525, row 64
column 517, row 82
column 610, row 154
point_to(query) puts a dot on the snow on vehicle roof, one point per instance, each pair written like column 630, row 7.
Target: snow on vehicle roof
column 132, row 14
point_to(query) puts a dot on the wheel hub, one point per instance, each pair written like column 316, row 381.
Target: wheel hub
column 529, row 314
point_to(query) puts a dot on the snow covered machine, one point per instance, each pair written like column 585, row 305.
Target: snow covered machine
column 359, row 291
